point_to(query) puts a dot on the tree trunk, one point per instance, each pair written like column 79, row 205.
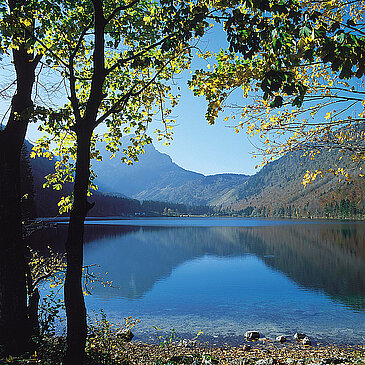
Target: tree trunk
column 14, row 334
column 74, row 298
column 15, row 331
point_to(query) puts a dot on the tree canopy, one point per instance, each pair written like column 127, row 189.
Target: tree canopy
column 117, row 59
column 119, row 74
column 299, row 66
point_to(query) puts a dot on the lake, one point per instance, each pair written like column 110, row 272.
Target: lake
column 224, row 276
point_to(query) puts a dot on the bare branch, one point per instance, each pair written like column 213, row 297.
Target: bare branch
column 7, row 87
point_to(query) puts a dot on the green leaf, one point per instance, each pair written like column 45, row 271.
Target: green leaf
column 277, row 102
column 298, row 101
column 305, row 31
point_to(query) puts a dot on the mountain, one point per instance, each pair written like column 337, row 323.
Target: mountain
column 156, row 177
column 154, row 170
column 43, row 202
column 276, row 190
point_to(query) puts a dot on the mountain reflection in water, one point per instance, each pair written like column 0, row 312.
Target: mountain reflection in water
column 323, row 258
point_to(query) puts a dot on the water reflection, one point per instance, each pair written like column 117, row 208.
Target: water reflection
column 317, row 257
column 329, row 258
column 270, row 277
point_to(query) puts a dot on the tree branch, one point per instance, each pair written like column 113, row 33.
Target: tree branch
column 120, row 8
column 78, row 45
column 45, row 276
column 99, row 72
column 344, row 25
column 140, row 53
column 116, row 106
column 73, row 98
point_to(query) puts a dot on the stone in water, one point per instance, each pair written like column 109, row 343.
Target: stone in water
column 281, row 339
column 299, row 336
column 252, row 335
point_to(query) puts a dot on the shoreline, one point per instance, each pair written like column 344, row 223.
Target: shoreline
column 66, row 217
column 239, row 340
column 113, row 350
column 254, row 353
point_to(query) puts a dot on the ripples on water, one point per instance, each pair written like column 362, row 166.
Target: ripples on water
column 226, row 276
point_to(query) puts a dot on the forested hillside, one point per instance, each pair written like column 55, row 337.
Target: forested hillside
column 156, row 177
column 42, row 202
column 159, row 186
column 277, row 190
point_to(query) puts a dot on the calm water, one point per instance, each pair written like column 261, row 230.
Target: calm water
column 225, row 276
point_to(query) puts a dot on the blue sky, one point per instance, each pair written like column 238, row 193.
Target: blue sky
column 196, row 146
column 204, row 148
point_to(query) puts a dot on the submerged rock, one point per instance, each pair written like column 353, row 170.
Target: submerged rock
column 270, row 361
column 300, row 336
column 281, row 339
column 252, row 335
column 183, row 359
column 125, row 335
column 306, row 341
